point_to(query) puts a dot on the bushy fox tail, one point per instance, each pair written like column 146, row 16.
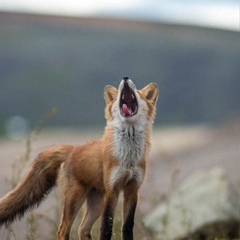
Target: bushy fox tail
column 38, row 182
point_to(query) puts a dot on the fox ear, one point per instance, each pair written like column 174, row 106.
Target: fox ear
column 110, row 93
column 150, row 92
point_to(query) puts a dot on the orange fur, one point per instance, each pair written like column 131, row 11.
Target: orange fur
column 95, row 172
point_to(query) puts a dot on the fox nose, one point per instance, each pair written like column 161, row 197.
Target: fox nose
column 127, row 82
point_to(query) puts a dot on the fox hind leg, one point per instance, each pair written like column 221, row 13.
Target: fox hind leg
column 94, row 209
column 74, row 199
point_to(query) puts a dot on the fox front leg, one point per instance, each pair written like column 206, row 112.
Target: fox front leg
column 129, row 208
column 110, row 204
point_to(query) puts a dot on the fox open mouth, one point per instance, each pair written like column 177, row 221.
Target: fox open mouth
column 128, row 102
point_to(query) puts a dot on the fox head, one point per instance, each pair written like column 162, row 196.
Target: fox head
column 127, row 104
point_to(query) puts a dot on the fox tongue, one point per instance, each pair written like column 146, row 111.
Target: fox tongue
column 125, row 110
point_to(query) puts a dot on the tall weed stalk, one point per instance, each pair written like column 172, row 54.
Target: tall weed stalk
column 17, row 173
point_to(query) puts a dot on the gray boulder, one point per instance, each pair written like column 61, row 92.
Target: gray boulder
column 204, row 199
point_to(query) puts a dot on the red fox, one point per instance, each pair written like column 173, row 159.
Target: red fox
column 97, row 171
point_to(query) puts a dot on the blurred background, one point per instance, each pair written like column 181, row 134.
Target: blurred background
column 59, row 55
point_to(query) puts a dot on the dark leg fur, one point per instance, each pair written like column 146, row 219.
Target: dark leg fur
column 107, row 224
column 107, row 218
column 127, row 231
column 129, row 208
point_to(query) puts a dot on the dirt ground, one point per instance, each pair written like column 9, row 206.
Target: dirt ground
column 176, row 154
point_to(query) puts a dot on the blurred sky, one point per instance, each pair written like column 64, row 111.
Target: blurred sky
column 214, row 13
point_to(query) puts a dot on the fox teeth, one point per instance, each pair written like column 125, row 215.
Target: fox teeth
column 123, row 96
column 132, row 96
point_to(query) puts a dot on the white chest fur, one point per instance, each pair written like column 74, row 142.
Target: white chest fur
column 129, row 141
column 129, row 147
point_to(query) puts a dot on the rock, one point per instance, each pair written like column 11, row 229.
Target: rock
column 203, row 200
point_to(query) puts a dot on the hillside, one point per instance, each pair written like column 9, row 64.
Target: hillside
column 66, row 62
